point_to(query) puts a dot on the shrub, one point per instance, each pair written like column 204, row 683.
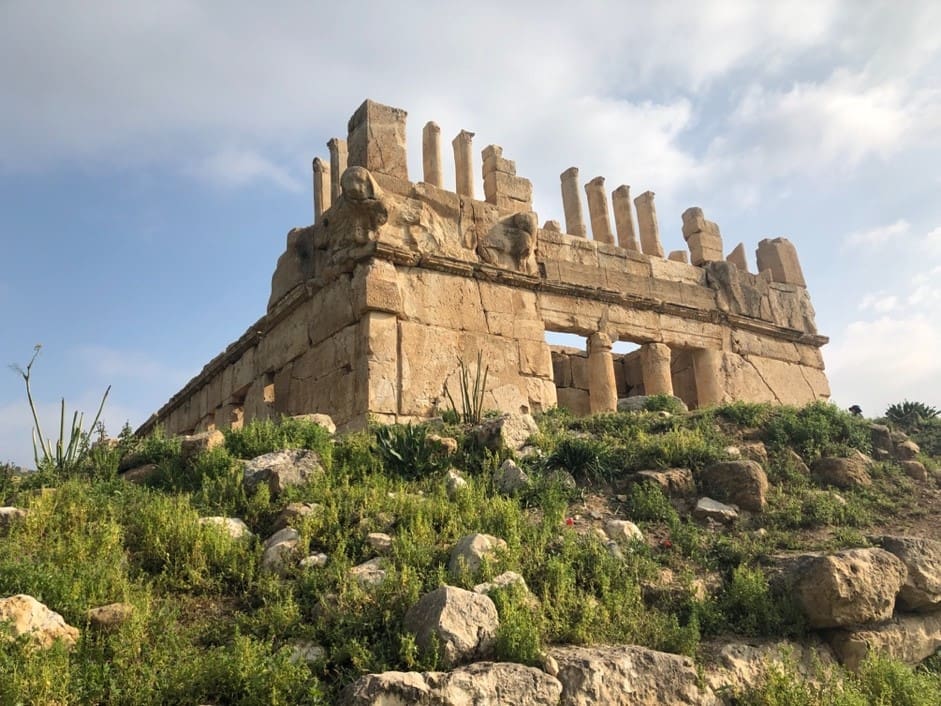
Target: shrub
column 745, row 414
column 749, row 608
column 663, row 403
column 818, row 429
column 585, row 459
column 647, row 502
column 260, row 437
column 406, row 451
column 910, row 415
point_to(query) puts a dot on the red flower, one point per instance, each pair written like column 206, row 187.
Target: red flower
column 569, row 521
column 666, row 544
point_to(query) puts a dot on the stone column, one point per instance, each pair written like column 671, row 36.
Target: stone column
column 338, row 159
column 431, row 154
column 321, row 188
column 572, row 203
column 598, row 211
column 602, row 386
column 464, row 163
column 647, row 224
column 655, row 366
column 624, row 217
column 707, row 371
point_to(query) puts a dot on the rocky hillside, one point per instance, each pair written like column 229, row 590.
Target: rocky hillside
column 745, row 554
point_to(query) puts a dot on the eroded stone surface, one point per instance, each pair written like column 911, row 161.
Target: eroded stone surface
column 463, row 623
column 25, row 615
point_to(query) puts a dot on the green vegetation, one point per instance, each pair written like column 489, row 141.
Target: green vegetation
column 210, row 625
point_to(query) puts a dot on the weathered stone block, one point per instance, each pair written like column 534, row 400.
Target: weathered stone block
column 779, row 256
column 377, row 139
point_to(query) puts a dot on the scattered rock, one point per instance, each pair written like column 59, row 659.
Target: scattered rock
column 140, row 474
column 464, row 624
column 915, row 470
column 470, row 551
column 108, row 618
column 314, row 561
column 294, row 513
column 922, row 558
column 742, row 483
column 881, row 439
column 755, row 451
column 507, row 578
column 510, row 478
column 907, row 450
column 232, row 526
column 9, row 516
column 794, row 460
column 305, row 652
column 369, row 573
column 278, row 548
column 627, row 675
column 380, row 542
column 445, row 444
column 195, row 444
column 841, row 472
column 27, row 616
column 454, row 482
column 849, row 587
column 739, row 665
column 323, row 420
column 623, row 531
column 483, row 684
column 672, row 481
column 707, row 508
column 281, row 469
column 908, row 638
column 511, row 431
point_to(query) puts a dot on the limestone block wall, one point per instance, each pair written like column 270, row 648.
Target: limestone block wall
column 374, row 306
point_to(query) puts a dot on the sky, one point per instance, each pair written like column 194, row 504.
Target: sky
column 153, row 157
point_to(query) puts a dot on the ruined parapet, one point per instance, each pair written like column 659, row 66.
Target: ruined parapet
column 598, row 211
column 678, row 256
column 431, row 155
column 701, row 236
column 376, row 140
column 375, row 305
column 624, row 218
column 779, row 257
column 647, row 224
column 322, row 191
column 502, row 187
column 572, row 203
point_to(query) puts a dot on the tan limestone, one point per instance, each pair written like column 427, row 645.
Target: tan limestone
column 779, row 257
column 602, row 387
column 624, row 218
column 321, row 188
column 598, row 211
column 737, row 257
column 376, row 140
column 572, row 203
column 655, row 363
column 339, row 157
column 431, row 155
column 464, row 163
column 647, row 225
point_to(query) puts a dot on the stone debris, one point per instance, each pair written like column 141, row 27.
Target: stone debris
column 709, row 509
column 294, row 513
column 510, row 431
column 908, row 638
column 195, row 444
column 27, row 616
column 323, row 420
column 507, row 578
column 369, row 573
column 281, row 469
column 140, row 474
column 470, row 551
column 278, row 548
column 922, row 558
column 109, row 618
column 305, row 652
column 232, row 526
column 510, row 478
column 314, row 561
column 742, row 483
column 840, row 472
column 454, row 482
column 379, row 542
column 623, row 531
column 9, row 516
column 672, row 481
column 463, row 624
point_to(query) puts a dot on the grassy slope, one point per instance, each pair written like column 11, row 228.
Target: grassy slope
column 209, row 627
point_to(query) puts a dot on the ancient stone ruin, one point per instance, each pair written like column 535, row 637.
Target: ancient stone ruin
column 374, row 306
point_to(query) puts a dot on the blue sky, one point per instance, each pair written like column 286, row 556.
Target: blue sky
column 153, row 157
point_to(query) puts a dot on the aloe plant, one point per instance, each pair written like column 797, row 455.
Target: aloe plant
column 472, row 392
column 69, row 450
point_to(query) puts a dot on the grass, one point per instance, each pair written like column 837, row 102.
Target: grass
column 210, row 626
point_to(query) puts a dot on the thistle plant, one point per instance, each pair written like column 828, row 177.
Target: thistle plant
column 69, row 450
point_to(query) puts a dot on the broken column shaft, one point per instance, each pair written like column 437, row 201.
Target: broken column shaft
column 572, row 203
column 464, row 163
column 602, row 386
column 431, row 154
column 647, row 224
column 598, row 211
column 338, row 159
column 322, row 193
column 624, row 217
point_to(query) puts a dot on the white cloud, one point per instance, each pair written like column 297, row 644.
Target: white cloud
column 877, row 236
column 879, row 302
column 933, row 241
column 237, row 168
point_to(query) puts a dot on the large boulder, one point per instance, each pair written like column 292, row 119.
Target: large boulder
column 281, row 469
column 841, row 472
column 922, row 558
column 279, row 547
column 907, row 450
column 672, row 481
column 739, row 665
column 881, row 438
column 25, row 615
column 742, row 483
column 140, row 475
column 109, row 618
column 510, row 431
column 195, row 444
column 510, row 478
column 9, row 516
column 470, row 551
column 908, row 638
column 627, row 675
column 462, row 624
column 849, row 587
column 323, row 420
column 483, row 684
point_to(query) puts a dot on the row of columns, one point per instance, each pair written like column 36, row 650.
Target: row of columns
column 432, row 172
column 597, row 197
column 655, row 359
